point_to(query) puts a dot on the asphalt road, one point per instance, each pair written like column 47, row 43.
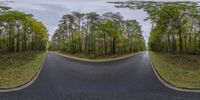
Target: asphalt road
column 128, row 79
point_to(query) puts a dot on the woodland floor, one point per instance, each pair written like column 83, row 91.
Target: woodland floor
column 106, row 57
column 19, row 68
column 179, row 70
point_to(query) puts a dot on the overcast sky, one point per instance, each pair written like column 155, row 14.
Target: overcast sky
column 50, row 11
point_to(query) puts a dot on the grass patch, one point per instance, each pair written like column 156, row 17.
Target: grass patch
column 180, row 70
column 18, row 68
column 95, row 58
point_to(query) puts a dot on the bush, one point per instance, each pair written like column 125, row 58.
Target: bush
column 92, row 56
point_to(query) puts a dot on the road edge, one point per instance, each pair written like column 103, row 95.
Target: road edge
column 168, row 84
column 28, row 83
column 98, row 61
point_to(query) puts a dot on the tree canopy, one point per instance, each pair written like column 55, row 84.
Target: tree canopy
column 3, row 6
column 21, row 32
column 91, row 33
column 176, row 25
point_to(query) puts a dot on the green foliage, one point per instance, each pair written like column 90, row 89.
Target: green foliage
column 92, row 56
column 94, row 34
column 175, row 25
column 176, row 29
column 21, row 32
column 3, row 6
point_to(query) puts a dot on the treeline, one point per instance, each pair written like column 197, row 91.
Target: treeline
column 91, row 33
column 21, row 32
column 176, row 29
column 176, row 25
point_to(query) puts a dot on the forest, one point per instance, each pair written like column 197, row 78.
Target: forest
column 94, row 34
column 174, row 42
column 176, row 29
column 23, row 42
column 175, row 25
column 21, row 32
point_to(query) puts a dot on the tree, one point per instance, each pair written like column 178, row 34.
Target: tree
column 175, row 25
column 20, row 32
column 94, row 34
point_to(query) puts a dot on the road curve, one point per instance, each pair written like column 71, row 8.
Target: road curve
column 128, row 79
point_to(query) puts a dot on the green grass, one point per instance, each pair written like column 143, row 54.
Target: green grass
column 87, row 58
column 179, row 70
column 18, row 68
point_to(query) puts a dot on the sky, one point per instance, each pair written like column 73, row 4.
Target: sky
column 49, row 12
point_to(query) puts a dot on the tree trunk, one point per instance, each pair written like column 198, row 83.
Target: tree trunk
column 180, row 41
column 113, row 46
column 17, row 39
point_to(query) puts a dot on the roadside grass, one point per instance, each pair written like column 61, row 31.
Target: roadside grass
column 105, row 58
column 18, row 68
column 179, row 70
